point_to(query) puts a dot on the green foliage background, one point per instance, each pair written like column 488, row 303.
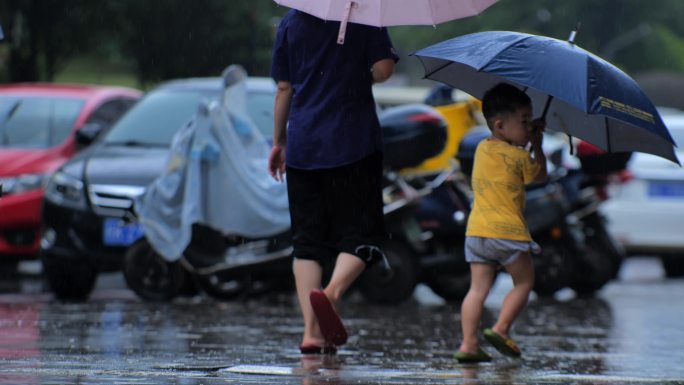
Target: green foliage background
column 153, row 40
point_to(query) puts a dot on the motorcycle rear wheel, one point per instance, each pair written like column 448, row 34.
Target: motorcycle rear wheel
column 150, row 276
column 552, row 268
column 600, row 261
column 394, row 285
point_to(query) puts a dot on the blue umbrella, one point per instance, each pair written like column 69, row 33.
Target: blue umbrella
column 577, row 92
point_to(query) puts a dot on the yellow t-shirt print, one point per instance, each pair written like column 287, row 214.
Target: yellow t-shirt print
column 500, row 173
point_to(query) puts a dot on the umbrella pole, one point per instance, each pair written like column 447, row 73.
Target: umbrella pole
column 608, row 146
column 546, row 110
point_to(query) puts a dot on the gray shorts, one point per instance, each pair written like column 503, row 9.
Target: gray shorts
column 497, row 251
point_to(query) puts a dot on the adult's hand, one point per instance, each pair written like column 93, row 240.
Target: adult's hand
column 276, row 163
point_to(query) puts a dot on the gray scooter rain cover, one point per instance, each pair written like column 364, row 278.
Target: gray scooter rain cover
column 216, row 175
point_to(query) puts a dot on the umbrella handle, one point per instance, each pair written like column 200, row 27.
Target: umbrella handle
column 345, row 19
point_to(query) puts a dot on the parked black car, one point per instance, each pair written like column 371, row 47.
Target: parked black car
column 86, row 199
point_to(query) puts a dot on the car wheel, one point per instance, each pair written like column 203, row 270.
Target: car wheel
column 71, row 279
column 150, row 276
column 673, row 265
column 391, row 284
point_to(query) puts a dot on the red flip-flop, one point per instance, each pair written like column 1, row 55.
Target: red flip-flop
column 328, row 320
column 315, row 349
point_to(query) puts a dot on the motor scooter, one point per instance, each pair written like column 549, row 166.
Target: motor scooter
column 229, row 266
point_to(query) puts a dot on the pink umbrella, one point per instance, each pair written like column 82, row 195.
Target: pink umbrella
column 385, row 13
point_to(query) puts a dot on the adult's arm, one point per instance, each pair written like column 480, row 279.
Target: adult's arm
column 276, row 159
column 382, row 70
column 282, row 112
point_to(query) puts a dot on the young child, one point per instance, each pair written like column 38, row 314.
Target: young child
column 497, row 233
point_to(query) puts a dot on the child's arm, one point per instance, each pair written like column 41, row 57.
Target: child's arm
column 539, row 157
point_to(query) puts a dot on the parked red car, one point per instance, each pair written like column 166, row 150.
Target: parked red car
column 41, row 127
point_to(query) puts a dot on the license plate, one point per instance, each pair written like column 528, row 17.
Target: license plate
column 666, row 189
column 116, row 232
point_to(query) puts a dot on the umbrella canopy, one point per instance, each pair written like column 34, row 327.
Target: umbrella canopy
column 385, row 13
column 577, row 92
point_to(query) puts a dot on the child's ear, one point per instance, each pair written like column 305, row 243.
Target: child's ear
column 498, row 124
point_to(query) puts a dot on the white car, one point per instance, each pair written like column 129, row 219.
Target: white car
column 646, row 213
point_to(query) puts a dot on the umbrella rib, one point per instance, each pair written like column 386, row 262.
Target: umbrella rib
column 427, row 75
column 547, row 105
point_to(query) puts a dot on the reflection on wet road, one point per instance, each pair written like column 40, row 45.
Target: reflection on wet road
column 631, row 333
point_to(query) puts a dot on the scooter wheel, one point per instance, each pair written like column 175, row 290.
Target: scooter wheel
column 150, row 276
column 379, row 284
column 225, row 286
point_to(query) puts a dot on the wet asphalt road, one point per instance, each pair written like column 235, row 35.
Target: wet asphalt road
column 631, row 333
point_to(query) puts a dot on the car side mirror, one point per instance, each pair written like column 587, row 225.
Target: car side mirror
column 88, row 133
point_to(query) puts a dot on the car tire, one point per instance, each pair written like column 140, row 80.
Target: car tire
column 673, row 265
column 393, row 285
column 150, row 276
column 70, row 279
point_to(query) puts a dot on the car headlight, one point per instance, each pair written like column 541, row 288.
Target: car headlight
column 23, row 183
column 65, row 190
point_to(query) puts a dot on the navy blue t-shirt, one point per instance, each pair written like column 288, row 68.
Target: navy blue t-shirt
column 332, row 121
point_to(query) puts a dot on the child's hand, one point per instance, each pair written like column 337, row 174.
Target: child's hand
column 538, row 126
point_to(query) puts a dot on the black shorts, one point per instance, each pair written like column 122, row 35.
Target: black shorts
column 337, row 210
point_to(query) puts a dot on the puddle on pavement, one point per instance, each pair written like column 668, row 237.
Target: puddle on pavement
column 630, row 334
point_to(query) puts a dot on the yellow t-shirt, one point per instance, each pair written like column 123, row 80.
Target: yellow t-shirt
column 500, row 173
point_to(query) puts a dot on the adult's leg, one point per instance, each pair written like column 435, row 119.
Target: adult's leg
column 522, row 273
column 307, row 275
column 355, row 199
column 348, row 267
column 309, row 232
column 481, row 281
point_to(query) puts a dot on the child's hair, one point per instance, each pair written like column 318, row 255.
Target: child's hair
column 503, row 99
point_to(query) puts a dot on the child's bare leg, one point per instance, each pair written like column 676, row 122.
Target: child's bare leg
column 481, row 281
column 308, row 277
column 522, row 273
column 347, row 268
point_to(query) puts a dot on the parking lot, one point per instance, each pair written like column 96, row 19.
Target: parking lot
column 630, row 333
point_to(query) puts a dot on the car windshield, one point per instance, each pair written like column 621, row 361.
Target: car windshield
column 260, row 106
column 36, row 122
column 156, row 119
